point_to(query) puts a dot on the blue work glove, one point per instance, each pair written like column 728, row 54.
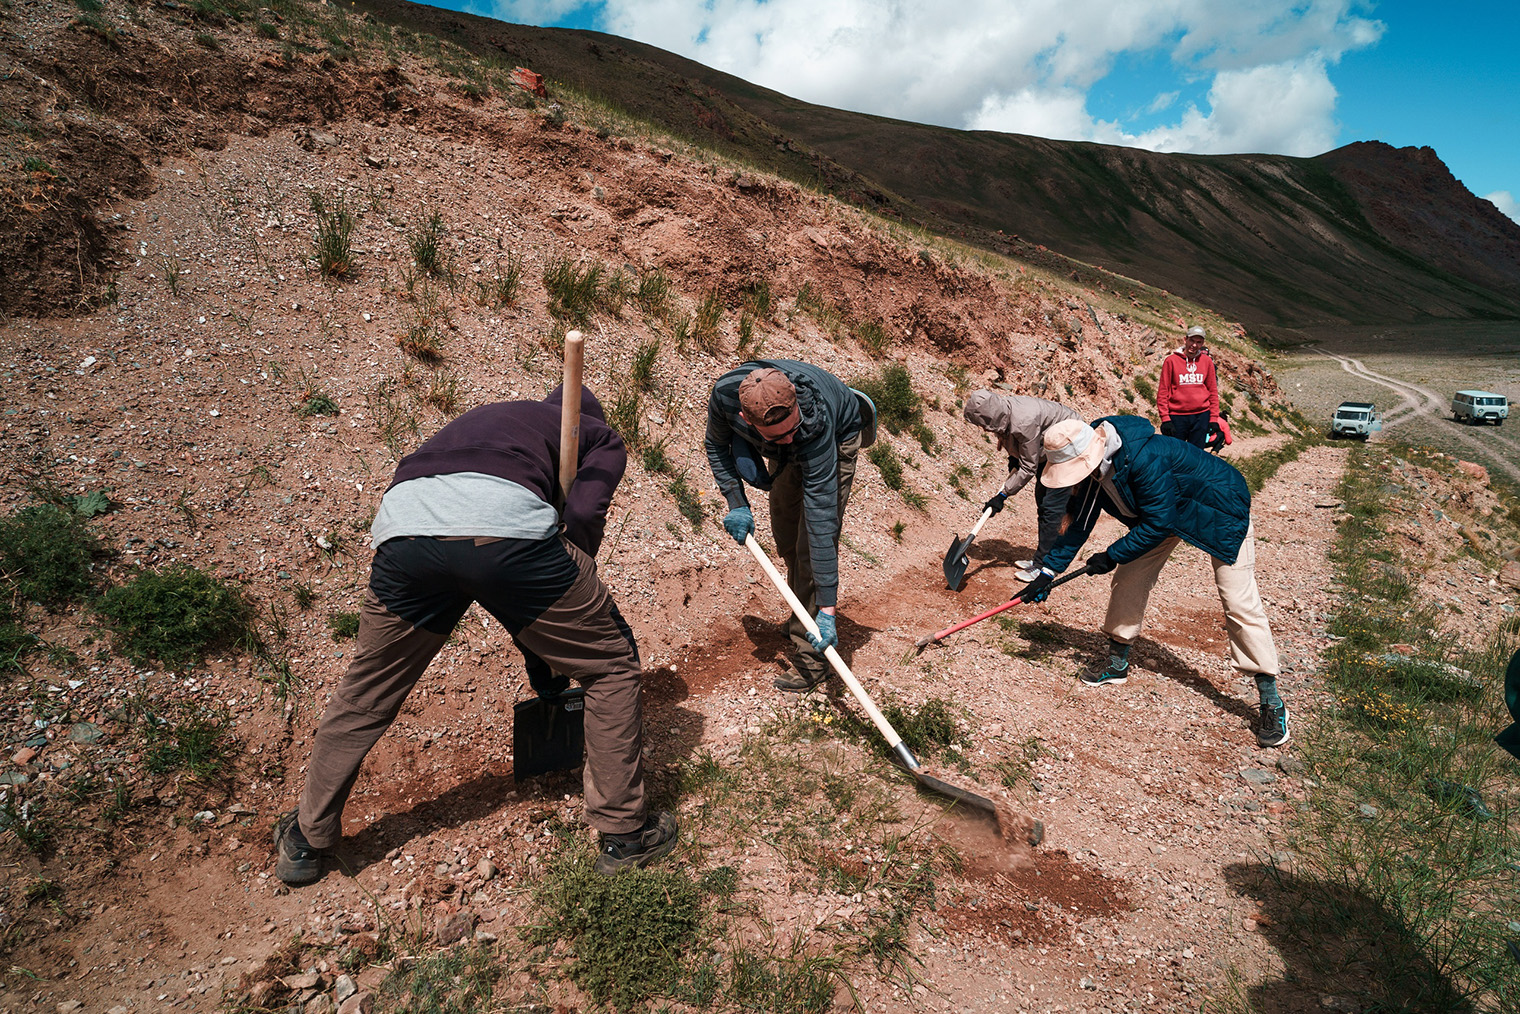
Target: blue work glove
column 1037, row 590
column 1100, row 563
column 739, row 522
column 995, row 504
column 828, row 636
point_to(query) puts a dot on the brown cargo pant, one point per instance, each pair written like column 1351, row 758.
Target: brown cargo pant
column 789, row 526
column 1252, row 649
column 547, row 594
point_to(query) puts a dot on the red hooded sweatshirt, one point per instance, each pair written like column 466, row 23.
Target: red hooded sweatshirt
column 1187, row 386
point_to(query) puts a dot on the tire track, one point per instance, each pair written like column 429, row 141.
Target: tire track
column 1421, row 402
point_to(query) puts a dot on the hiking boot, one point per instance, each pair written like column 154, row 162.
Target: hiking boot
column 299, row 861
column 625, row 851
column 1272, row 727
column 1114, row 675
column 802, row 679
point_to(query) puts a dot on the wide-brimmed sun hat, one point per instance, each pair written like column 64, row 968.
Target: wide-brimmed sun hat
column 1072, row 450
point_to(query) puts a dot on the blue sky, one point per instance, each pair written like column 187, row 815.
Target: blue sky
column 1291, row 77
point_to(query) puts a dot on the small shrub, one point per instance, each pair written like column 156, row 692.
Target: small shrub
column 873, row 337
column 266, row 30
column 333, row 244
column 705, row 325
column 208, row 41
column 315, row 401
column 1145, row 389
column 887, row 463
column 654, row 459
column 898, row 406
column 931, row 726
column 178, row 616
column 344, row 625
column 897, row 531
column 572, row 289
column 170, row 264
column 46, row 555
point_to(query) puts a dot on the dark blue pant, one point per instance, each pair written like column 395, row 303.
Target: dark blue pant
column 1193, row 428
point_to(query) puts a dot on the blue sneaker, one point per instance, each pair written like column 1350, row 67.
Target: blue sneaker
column 1272, row 727
column 1117, row 674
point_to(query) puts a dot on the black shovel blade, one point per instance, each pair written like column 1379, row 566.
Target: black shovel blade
column 548, row 734
column 956, row 562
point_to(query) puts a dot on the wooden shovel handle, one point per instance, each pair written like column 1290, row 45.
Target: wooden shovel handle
column 570, row 413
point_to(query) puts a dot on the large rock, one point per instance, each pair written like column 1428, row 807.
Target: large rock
column 1510, row 574
column 1474, row 470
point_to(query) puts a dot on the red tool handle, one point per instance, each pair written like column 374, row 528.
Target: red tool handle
column 941, row 635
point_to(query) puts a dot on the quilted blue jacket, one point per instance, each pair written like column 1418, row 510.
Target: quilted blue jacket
column 1171, row 488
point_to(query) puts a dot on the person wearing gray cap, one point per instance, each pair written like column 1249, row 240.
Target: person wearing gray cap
column 1187, row 398
column 793, row 430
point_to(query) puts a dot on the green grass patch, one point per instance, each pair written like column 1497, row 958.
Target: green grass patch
column 187, row 738
column 178, row 616
column 898, row 406
column 688, row 502
column 573, row 289
column 706, row 324
column 47, row 555
column 344, row 625
column 332, row 244
column 460, row 980
column 630, row 934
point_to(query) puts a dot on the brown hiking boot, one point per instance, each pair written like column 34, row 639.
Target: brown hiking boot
column 298, row 862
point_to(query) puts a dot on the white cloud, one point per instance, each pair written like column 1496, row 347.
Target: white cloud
column 1023, row 66
column 1505, row 202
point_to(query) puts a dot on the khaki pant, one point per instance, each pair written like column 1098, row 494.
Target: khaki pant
column 1251, row 647
column 789, row 526
column 548, row 595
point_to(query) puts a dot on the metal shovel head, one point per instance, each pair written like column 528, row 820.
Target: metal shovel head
column 548, row 734
column 956, row 561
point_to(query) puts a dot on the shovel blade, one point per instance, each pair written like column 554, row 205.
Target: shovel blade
column 956, row 562
column 548, row 734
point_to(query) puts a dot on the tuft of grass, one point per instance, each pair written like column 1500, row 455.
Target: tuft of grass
column 172, row 271
column 187, row 738
column 426, row 241
column 573, row 289
column 1145, row 389
column 641, row 373
column 706, row 324
column 930, row 727
column 46, row 555
column 757, row 300
column 503, row 287
column 813, row 303
column 178, row 616
column 625, row 414
column 332, row 245
column 630, row 934
column 315, row 401
column 344, row 625
column 688, row 501
column 443, row 393
column 653, row 293
column 459, row 980
column 897, row 531
column 873, row 337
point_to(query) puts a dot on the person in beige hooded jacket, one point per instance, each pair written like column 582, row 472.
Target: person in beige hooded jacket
column 1019, row 424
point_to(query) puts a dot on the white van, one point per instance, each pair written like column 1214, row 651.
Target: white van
column 1356, row 419
column 1475, row 407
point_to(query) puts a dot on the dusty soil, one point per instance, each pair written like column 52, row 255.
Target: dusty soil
column 179, row 401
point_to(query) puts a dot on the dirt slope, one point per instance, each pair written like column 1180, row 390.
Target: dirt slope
column 178, row 398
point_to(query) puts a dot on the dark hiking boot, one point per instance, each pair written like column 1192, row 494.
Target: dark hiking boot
column 298, row 862
column 625, row 851
column 1272, row 727
column 1115, row 675
column 801, row 681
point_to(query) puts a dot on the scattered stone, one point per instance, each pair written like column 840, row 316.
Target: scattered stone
column 69, row 1006
column 485, row 869
column 319, row 1004
column 1257, row 776
column 1368, row 811
column 23, row 756
column 1510, row 574
column 86, row 732
column 359, row 1003
column 1290, row 765
column 303, row 980
column 453, row 928
column 344, row 988
column 14, row 777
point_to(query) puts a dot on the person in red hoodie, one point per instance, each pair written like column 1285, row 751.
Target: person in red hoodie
column 1188, row 396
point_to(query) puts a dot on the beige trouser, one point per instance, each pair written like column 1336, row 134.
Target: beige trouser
column 789, row 526
column 1251, row 647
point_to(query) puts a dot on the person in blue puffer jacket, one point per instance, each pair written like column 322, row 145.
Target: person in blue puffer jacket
column 1166, row 492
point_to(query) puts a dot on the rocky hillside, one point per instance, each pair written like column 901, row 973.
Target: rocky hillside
column 1367, row 233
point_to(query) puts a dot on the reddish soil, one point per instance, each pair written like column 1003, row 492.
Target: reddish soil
column 180, row 404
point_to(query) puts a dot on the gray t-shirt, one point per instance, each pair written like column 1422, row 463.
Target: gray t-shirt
column 463, row 503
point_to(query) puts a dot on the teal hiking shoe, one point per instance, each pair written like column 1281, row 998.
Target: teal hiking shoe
column 1116, row 674
column 1272, row 726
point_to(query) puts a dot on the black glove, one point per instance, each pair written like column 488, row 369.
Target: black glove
column 1215, row 438
column 1100, row 563
column 1167, row 429
column 1037, row 590
column 995, row 504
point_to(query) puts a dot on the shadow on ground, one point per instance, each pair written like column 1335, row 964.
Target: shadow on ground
column 1336, row 943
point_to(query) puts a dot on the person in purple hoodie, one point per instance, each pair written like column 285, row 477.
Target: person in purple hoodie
column 476, row 515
